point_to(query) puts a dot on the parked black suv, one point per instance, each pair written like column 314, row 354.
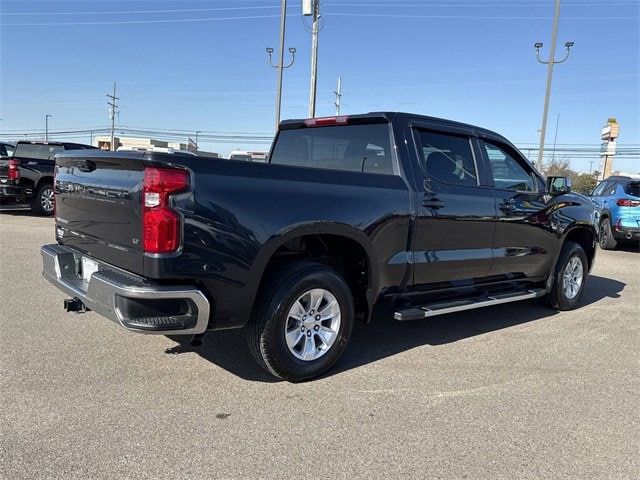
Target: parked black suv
column 425, row 215
column 27, row 176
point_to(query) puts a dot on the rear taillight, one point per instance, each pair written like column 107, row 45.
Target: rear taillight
column 627, row 202
column 14, row 171
column 323, row 121
column 160, row 223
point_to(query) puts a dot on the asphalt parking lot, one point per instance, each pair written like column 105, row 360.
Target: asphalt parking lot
column 514, row 391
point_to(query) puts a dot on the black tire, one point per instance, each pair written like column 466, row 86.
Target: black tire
column 39, row 205
column 605, row 235
column 557, row 297
column 266, row 331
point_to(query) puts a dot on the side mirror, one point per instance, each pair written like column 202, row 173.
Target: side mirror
column 558, row 185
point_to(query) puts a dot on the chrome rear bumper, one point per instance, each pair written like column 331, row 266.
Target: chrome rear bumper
column 125, row 298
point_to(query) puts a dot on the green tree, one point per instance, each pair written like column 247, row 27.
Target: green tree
column 584, row 183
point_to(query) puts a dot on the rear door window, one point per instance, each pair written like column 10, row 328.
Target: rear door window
column 353, row 148
column 447, row 158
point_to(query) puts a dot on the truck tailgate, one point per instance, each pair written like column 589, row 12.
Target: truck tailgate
column 98, row 205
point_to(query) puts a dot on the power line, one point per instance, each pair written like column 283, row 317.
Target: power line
column 335, row 14
column 475, row 5
column 472, row 17
column 140, row 12
column 138, row 22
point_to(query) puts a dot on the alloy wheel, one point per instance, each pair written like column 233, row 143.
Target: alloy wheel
column 572, row 278
column 312, row 325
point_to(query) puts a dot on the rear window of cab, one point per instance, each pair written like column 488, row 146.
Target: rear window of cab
column 353, row 148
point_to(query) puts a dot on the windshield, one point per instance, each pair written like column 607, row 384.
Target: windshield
column 38, row 151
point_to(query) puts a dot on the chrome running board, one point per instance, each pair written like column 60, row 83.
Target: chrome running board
column 441, row 308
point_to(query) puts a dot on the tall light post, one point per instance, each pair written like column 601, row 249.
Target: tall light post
column 550, row 63
column 46, row 127
column 197, row 132
column 281, row 66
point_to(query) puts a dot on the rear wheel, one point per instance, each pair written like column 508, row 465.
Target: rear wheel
column 570, row 277
column 302, row 323
column 605, row 236
column 42, row 201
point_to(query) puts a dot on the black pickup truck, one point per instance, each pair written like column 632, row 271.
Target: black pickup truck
column 351, row 215
column 27, row 176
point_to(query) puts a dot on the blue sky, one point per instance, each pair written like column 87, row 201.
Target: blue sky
column 206, row 69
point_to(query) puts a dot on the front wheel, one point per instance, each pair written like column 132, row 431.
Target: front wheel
column 570, row 277
column 42, row 201
column 302, row 322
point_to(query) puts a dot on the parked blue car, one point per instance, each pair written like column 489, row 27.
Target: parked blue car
column 618, row 200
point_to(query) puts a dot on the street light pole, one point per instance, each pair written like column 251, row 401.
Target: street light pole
column 46, row 127
column 550, row 63
column 281, row 66
column 197, row 132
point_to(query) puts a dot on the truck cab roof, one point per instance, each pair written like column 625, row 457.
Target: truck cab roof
column 388, row 117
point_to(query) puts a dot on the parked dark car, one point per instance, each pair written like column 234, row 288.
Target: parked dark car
column 618, row 200
column 27, row 176
column 351, row 214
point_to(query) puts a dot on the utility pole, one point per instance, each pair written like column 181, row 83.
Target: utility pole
column 338, row 94
column 46, row 127
column 550, row 63
column 112, row 111
column 590, row 167
column 281, row 66
column 197, row 132
column 312, row 7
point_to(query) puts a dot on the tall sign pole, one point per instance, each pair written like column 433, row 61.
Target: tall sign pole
column 609, row 135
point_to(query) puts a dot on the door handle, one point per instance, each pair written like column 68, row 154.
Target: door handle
column 433, row 203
